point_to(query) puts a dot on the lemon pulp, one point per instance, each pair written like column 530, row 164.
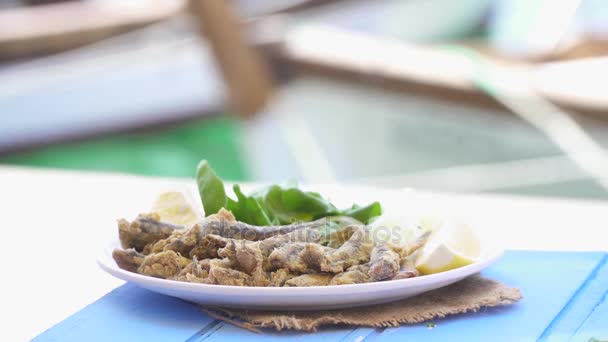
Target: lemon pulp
column 454, row 245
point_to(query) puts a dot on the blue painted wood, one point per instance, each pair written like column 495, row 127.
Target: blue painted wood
column 360, row 334
column 130, row 313
column 227, row 332
column 596, row 323
column 548, row 281
column 581, row 306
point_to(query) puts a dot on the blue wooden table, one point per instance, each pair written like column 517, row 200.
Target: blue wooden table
column 565, row 299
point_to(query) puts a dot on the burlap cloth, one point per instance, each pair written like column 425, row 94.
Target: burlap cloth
column 469, row 295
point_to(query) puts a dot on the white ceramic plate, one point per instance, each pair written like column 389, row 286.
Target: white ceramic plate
column 294, row 298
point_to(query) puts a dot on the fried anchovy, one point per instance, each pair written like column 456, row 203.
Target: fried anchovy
column 195, row 272
column 354, row 251
column 250, row 260
column 288, row 256
column 149, row 235
column 294, row 258
column 128, row 259
column 220, row 273
column 181, row 242
column 311, row 257
column 384, row 263
column 245, row 256
column 216, row 242
column 406, row 270
column 353, row 275
column 406, row 265
column 167, row 264
column 279, row 277
column 146, row 229
column 224, row 224
column 416, row 245
column 317, row 279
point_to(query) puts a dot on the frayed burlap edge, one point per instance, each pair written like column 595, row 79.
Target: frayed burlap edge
column 469, row 295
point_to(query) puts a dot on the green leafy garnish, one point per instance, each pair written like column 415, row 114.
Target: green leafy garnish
column 211, row 188
column 363, row 214
column 431, row 325
column 273, row 205
column 249, row 209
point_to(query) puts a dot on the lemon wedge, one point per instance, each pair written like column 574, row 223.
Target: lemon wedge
column 452, row 246
column 176, row 207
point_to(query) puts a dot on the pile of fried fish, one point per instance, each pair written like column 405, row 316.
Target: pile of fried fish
column 220, row 250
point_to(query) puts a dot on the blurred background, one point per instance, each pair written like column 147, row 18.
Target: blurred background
column 506, row 96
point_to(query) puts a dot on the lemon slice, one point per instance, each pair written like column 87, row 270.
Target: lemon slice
column 176, row 207
column 454, row 245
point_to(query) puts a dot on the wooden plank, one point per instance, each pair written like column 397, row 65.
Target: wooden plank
column 137, row 81
column 432, row 71
column 548, row 281
column 228, row 333
column 130, row 313
column 596, row 323
column 57, row 27
column 581, row 307
column 596, row 326
column 362, row 333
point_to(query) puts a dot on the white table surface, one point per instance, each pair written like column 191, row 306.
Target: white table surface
column 58, row 221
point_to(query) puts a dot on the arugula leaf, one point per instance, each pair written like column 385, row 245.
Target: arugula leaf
column 363, row 214
column 274, row 204
column 290, row 205
column 250, row 210
column 210, row 188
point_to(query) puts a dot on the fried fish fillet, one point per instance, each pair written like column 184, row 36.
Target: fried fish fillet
column 220, row 273
column 224, row 224
column 128, row 259
column 293, row 257
column 316, row 279
column 250, row 260
column 167, row 264
column 181, row 242
column 353, row 275
column 313, row 257
column 195, row 272
column 149, row 235
column 145, row 230
column 268, row 245
column 406, row 269
column 279, row 277
column 384, row 263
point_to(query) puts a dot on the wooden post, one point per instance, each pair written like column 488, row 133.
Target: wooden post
column 245, row 72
